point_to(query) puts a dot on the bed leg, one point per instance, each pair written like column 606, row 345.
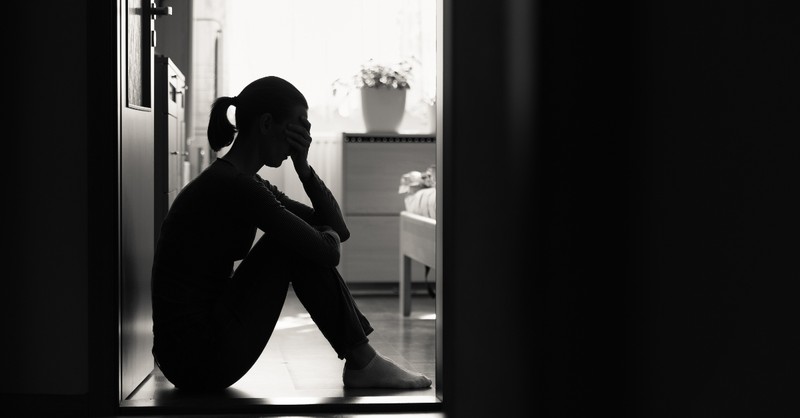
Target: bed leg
column 405, row 285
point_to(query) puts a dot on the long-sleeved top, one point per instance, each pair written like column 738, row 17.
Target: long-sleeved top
column 212, row 224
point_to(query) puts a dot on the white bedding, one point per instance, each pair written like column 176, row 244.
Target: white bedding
column 422, row 202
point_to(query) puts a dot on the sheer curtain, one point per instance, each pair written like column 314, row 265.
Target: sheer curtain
column 312, row 43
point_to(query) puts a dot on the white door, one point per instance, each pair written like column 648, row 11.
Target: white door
column 137, row 216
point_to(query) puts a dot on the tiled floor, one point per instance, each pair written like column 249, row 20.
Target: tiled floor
column 298, row 366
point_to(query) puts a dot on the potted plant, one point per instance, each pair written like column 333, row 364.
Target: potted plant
column 383, row 94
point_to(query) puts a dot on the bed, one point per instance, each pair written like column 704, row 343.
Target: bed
column 417, row 229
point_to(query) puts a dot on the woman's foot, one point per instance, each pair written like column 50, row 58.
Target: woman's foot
column 382, row 372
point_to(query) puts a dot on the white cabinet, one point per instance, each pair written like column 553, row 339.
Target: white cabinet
column 372, row 166
column 170, row 135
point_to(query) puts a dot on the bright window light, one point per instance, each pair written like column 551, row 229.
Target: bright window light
column 312, row 43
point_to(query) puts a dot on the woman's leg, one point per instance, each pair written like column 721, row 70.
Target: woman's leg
column 245, row 315
column 249, row 307
column 325, row 295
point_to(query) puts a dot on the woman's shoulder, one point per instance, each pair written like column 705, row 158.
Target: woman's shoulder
column 221, row 171
column 224, row 177
column 216, row 178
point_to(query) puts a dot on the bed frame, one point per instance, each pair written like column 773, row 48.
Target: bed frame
column 418, row 243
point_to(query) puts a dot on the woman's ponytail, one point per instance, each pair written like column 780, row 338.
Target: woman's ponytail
column 220, row 130
column 270, row 94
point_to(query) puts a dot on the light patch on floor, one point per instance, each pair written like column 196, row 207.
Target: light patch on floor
column 294, row 321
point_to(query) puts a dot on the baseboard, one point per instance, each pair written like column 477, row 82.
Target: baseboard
column 386, row 289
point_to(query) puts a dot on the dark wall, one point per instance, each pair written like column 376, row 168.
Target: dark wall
column 717, row 107
column 490, row 307
column 59, row 307
column 45, row 299
column 643, row 262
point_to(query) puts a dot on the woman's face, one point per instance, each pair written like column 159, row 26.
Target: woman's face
column 275, row 149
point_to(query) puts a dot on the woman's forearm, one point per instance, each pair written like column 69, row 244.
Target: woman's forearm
column 326, row 209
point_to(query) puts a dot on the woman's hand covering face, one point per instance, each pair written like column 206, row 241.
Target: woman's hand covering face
column 299, row 138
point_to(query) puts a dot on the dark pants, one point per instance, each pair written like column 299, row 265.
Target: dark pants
column 215, row 355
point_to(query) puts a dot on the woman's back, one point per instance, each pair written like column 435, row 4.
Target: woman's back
column 201, row 237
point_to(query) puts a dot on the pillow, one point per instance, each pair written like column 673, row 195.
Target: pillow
column 420, row 191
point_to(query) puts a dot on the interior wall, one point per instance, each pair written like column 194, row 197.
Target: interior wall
column 209, row 26
column 713, row 286
column 45, row 305
column 174, row 34
column 644, row 265
column 488, row 307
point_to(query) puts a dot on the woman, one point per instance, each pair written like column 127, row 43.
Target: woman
column 211, row 323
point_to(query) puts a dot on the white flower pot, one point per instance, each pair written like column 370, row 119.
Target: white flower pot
column 383, row 108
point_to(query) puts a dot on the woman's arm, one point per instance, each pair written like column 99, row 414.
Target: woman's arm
column 289, row 221
column 325, row 210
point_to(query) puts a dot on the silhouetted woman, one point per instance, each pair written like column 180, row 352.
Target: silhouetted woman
column 211, row 323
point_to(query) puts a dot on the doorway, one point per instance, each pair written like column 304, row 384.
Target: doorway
column 294, row 323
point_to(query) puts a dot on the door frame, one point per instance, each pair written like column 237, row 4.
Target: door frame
column 106, row 397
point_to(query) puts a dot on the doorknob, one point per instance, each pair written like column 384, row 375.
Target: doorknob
column 156, row 11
